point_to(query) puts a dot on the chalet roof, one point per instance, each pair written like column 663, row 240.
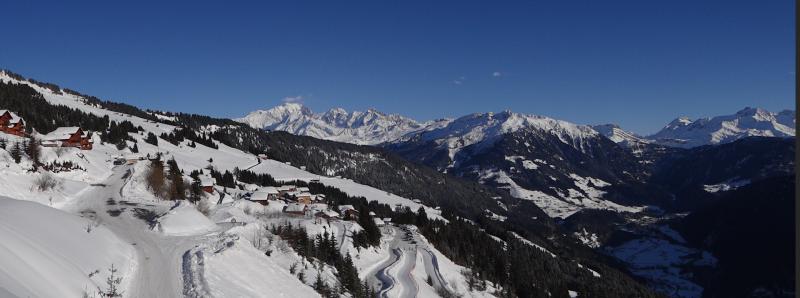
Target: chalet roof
column 260, row 196
column 295, row 208
column 329, row 213
column 269, row 189
column 344, row 208
column 61, row 133
column 207, row 181
column 286, row 187
column 303, row 194
column 303, row 189
column 14, row 118
column 378, row 221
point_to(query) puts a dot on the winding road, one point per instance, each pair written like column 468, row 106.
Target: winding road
column 394, row 276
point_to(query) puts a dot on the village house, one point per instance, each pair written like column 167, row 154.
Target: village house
column 10, row 123
column 284, row 189
column 207, row 183
column 262, row 156
column 304, row 198
column 295, row 209
column 327, row 214
column 348, row 212
column 68, row 137
column 378, row 222
column 264, row 195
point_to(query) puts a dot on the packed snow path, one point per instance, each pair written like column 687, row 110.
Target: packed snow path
column 158, row 266
column 394, row 276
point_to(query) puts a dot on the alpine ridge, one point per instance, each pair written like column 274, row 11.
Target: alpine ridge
column 369, row 127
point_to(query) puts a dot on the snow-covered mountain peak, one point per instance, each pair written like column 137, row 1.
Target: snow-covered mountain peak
column 485, row 128
column 618, row 135
column 368, row 127
column 679, row 122
column 684, row 132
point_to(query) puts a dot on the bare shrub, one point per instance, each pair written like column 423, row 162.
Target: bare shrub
column 60, row 151
column 47, row 182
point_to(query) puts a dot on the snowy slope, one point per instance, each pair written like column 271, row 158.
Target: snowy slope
column 49, row 253
column 687, row 133
column 80, row 103
column 364, row 128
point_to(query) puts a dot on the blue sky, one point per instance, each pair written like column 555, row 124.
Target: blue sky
column 636, row 63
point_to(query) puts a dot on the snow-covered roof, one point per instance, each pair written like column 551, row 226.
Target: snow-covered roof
column 260, row 196
column 295, row 208
column 61, row 133
column 387, row 219
column 344, row 208
column 304, row 194
column 303, row 189
column 372, row 213
column 378, row 221
column 329, row 213
column 269, row 189
column 14, row 118
column 207, row 181
column 286, row 187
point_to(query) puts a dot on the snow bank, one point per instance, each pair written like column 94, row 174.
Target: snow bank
column 183, row 220
column 241, row 270
column 49, row 253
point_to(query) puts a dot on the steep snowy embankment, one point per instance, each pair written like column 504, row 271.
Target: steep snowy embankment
column 50, row 253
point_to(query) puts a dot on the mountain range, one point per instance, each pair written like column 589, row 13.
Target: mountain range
column 373, row 127
column 363, row 128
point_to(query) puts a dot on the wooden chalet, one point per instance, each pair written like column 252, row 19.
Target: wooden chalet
column 348, row 212
column 10, row 123
column 68, row 137
column 207, row 183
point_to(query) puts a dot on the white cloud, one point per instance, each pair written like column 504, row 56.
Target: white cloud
column 459, row 81
column 297, row 99
column 497, row 74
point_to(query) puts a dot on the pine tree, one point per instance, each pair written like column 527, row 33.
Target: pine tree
column 177, row 188
column 195, row 190
column 319, row 285
column 135, row 148
column 16, row 152
column 422, row 217
column 34, row 151
column 151, row 139
column 112, row 282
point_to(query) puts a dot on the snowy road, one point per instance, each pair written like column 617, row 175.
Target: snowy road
column 159, row 258
column 394, row 276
